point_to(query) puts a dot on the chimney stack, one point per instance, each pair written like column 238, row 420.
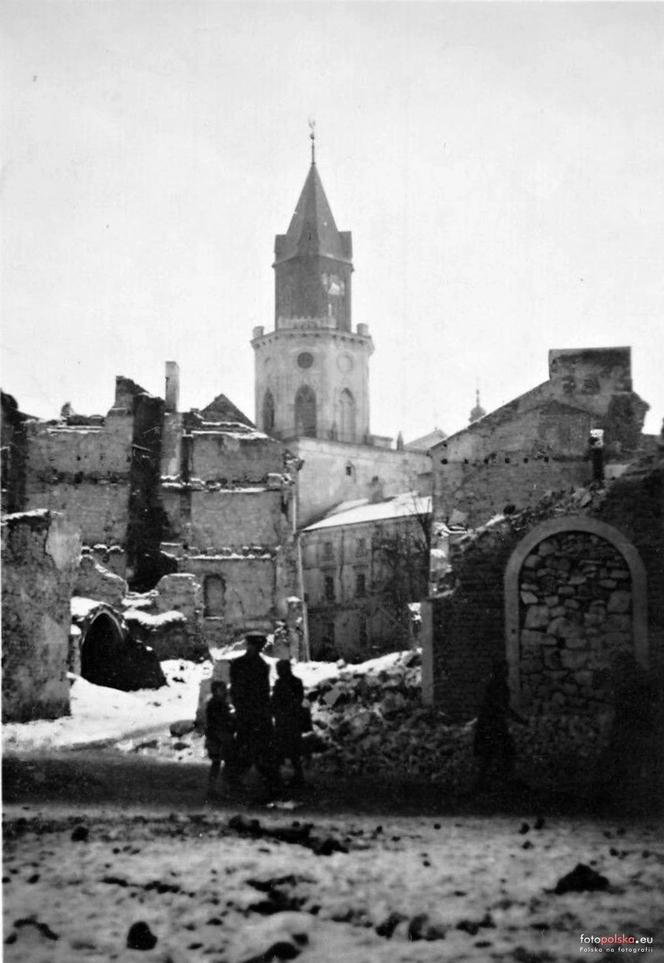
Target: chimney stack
column 172, row 394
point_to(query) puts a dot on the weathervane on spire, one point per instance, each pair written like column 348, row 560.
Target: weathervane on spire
column 312, row 138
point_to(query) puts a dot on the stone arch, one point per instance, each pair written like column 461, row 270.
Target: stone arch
column 347, row 416
column 268, row 412
column 305, row 412
column 102, row 651
column 526, row 547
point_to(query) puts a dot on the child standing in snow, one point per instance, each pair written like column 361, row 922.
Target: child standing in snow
column 219, row 732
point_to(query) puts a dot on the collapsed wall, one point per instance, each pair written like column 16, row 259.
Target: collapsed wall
column 40, row 557
column 571, row 593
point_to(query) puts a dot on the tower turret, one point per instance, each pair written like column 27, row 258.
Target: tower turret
column 312, row 370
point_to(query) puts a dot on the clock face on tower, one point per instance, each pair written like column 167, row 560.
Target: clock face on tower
column 305, row 360
column 344, row 363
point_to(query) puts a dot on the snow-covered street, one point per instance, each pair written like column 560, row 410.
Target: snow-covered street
column 211, row 887
column 85, row 861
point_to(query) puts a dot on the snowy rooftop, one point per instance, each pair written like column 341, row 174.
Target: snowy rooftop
column 401, row 506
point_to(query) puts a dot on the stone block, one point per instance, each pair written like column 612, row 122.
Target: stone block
column 619, row 601
column 573, row 660
column 537, row 617
column 552, row 659
column 531, row 639
column 608, row 583
column 546, row 548
column 528, row 598
column 576, row 642
column 584, row 678
column 592, row 618
column 618, row 623
column 563, row 628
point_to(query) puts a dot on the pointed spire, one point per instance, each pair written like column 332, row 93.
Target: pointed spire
column 478, row 411
column 312, row 230
column 312, row 138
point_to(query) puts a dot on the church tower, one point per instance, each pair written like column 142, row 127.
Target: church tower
column 312, row 370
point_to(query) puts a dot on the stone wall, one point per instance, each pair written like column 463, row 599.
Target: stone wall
column 482, row 490
column 567, row 591
column 13, row 427
column 225, row 518
column 241, row 457
column 40, row 556
column 94, row 581
column 250, row 597
column 334, row 472
column 100, row 452
column 539, row 441
column 576, row 619
column 99, row 508
column 468, row 620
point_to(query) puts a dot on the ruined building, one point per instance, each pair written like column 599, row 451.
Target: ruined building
column 364, row 565
column 539, row 442
column 561, row 571
column 160, row 491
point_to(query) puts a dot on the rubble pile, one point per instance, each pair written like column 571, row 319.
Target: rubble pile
column 371, row 721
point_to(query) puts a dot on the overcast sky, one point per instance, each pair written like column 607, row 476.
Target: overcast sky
column 501, row 168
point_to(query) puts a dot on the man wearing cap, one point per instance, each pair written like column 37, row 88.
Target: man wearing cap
column 250, row 694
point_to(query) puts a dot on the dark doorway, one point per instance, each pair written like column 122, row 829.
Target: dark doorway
column 101, row 653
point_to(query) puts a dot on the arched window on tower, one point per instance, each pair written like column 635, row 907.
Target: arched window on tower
column 268, row 412
column 347, row 418
column 305, row 412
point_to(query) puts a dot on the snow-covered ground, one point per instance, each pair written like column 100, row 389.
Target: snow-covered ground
column 220, row 889
column 409, row 890
column 102, row 714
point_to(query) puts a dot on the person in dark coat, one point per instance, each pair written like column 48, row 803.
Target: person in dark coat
column 219, row 733
column 493, row 744
column 287, row 712
column 250, row 694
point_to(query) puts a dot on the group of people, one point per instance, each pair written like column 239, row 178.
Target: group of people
column 262, row 728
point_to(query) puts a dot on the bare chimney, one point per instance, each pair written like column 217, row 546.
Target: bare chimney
column 172, row 386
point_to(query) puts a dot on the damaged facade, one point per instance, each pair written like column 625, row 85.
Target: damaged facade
column 560, row 572
column 199, row 502
column 364, row 565
column 540, row 441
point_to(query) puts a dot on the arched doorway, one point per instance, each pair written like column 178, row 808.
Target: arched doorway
column 347, row 418
column 102, row 649
column 305, row 412
column 575, row 604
